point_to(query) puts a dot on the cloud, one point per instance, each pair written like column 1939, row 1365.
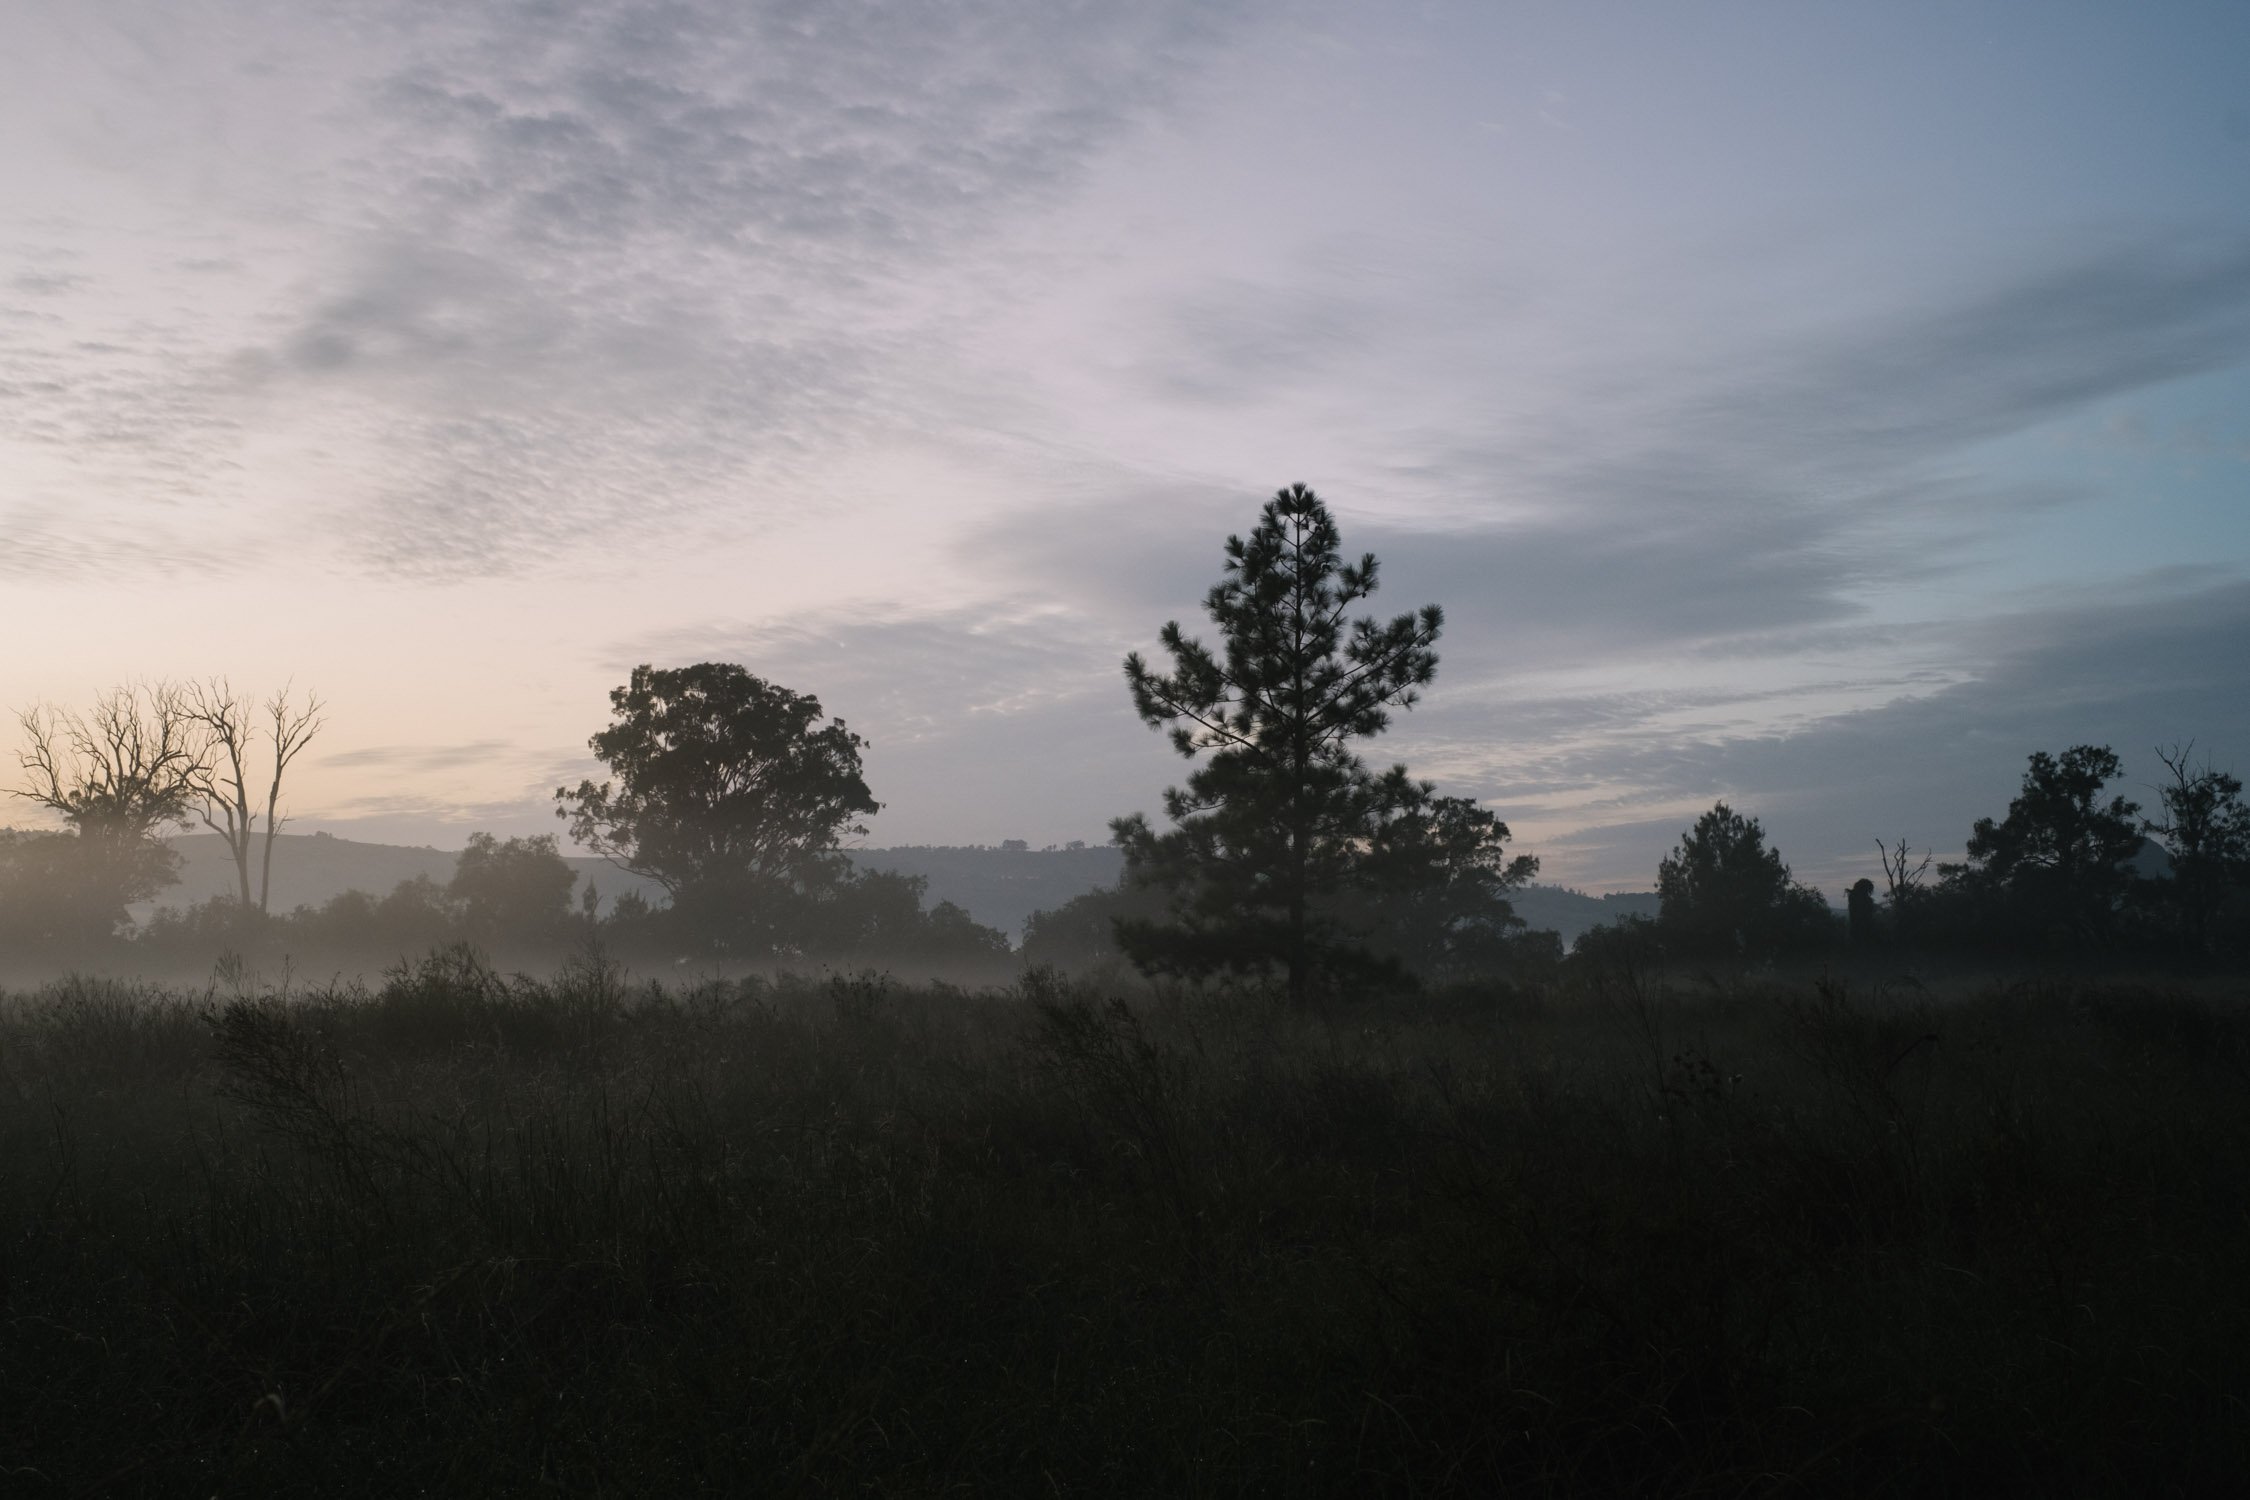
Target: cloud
column 1233, row 342
column 46, row 543
column 911, row 675
column 640, row 259
column 414, row 759
column 2149, row 665
column 99, row 393
column 1757, row 493
column 502, row 279
column 860, row 130
column 1018, row 712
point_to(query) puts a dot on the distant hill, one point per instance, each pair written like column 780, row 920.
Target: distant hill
column 312, row 868
column 1000, row 886
column 1556, row 908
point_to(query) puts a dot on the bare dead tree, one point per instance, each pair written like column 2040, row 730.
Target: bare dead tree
column 117, row 773
column 226, row 794
column 290, row 727
column 223, row 798
column 123, row 769
column 1900, row 872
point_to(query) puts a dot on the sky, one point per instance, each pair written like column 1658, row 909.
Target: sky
column 1815, row 407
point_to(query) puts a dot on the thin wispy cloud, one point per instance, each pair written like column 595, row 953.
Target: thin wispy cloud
column 412, row 758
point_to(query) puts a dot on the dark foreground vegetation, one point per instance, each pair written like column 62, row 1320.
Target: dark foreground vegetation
column 1616, row 1233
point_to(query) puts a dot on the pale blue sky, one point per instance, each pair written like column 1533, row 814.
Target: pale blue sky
column 1821, row 407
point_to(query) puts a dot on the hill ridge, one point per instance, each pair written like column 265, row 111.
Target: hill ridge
column 1000, row 885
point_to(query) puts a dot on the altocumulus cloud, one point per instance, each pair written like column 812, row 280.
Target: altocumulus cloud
column 637, row 258
column 554, row 271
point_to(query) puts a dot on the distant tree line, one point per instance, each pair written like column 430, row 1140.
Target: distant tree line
column 512, row 899
column 1286, row 856
column 2064, row 875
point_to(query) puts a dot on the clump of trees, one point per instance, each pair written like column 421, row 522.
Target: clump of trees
column 1723, row 892
column 119, row 774
column 732, row 794
column 2205, row 832
column 2075, row 869
column 2056, row 865
column 2066, row 873
column 728, row 791
column 506, row 896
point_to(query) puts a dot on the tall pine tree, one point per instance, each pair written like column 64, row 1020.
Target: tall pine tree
column 1281, row 812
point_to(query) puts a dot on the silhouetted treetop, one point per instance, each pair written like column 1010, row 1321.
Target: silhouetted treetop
column 1298, row 676
column 511, row 890
column 2060, row 852
column 1281, row 815
column 722, row 778
column 2206, row 831
column 1724, row 891
column 130, row 765
column 117, row 774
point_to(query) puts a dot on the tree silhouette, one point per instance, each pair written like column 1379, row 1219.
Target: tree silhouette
column 1432, row 886
column 1723, row 892
column 59, row 895
column 729, row 792
column 117, row 774
column 2206, row 831
column 1859, row 910
column 226, row 797
column 1280, row 812
column 2059, row 855
column 1903, row 876
column 517, row 890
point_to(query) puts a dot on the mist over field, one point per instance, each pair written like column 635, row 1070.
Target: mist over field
column 999, row 886
column 1204, row 747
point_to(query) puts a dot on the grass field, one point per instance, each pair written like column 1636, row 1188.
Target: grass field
column 463, row 1235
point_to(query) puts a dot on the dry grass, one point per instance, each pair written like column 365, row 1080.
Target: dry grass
column 468, row 1235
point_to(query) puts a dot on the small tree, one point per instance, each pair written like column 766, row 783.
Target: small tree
column 53, row 896
column 117, row 775
column 2059, row 857
column 1722, row 892
column 1279, row 815
column 1081, row 933
column 1432, row 887
column 729, row 792
column 512, row 891
column 2206, row 831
